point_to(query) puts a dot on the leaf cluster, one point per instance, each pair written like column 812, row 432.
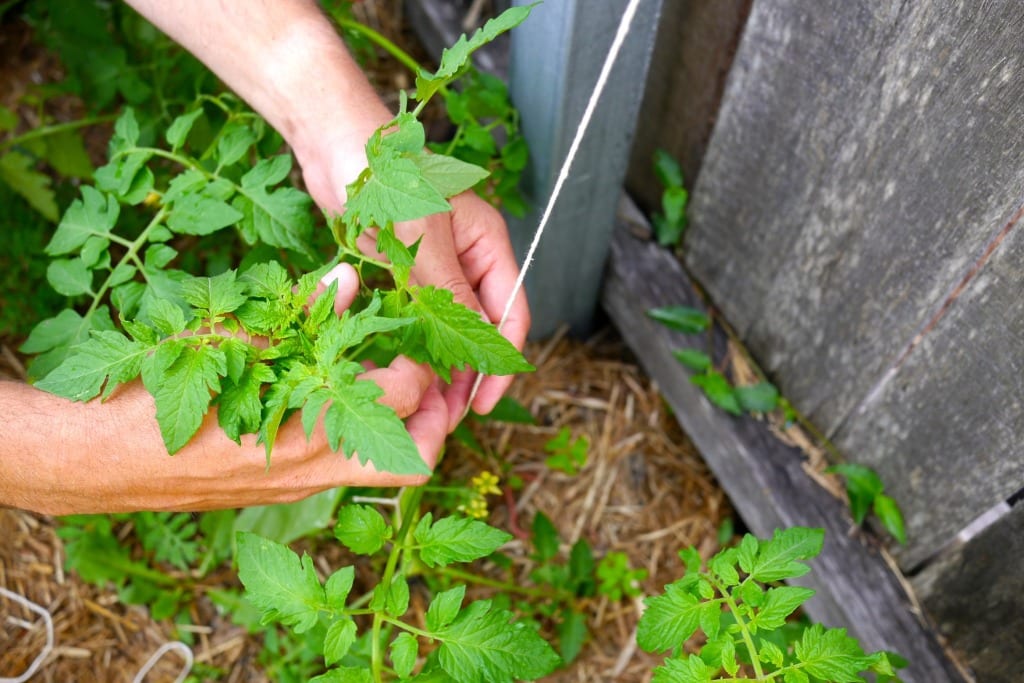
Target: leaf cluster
column 865, row 490
column 670, row 223
column 735, row 602
column 470, row 643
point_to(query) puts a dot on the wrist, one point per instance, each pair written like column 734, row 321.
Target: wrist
column 326, row 119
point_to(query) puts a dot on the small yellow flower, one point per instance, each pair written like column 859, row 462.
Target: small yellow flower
column 486, row 483
column 476, row 508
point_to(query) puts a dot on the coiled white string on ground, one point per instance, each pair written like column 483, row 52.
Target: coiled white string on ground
column 181, row 648
column 620, row 36
column 47, row 622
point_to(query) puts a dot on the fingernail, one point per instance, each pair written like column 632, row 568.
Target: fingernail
column 334, row 274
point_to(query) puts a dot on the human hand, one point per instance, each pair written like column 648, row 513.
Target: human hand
column 467, row 251
column 110, row 456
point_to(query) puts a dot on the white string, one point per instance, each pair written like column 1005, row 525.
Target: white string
column 184, row 650
column 563, row 174
column 47, row 622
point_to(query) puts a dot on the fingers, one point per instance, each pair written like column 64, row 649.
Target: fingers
column 404, row 382
column 348, row 286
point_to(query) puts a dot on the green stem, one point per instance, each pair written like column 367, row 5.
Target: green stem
column 536, row 592
column 744, row 631
column 132, row 253
column 407, row 510
column 382, row 41
column 56, row 128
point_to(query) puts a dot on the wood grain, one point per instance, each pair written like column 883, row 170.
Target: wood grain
column 764, row 478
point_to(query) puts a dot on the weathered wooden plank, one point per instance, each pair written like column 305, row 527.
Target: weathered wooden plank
column 764, row 478
column 944, row 427
column 555, row 62
column 694, row 48
column 978, row 604
column 865, row 154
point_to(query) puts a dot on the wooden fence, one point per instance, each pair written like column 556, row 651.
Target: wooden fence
column 854, row 216
column 857, row 177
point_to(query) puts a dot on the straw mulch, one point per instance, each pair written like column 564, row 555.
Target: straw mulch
column 643, row 491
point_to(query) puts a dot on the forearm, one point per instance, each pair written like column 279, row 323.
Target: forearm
column 286, row 60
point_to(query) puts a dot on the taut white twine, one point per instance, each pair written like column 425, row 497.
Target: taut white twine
column 620, row 37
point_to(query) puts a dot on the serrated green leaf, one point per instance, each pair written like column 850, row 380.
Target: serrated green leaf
column 214, row 296
column 94, row 214
column 345, row 674
column 283, row 586
column 180, row 127
column 281, row 218
column 445, row 607
column 239, row 408
column 455, row 336
column 351, row 330
column 888, row 513
column 719, row 391
column 55, row 337
column 358, row 424
column 723, row 565
column 70, row 277
column 751, row 593
column 396, row 601
column 830, row 655
column 711, row 618
column 795, row 676
column 863, row 485
column 338, row 641
column 233, row 143
column 770, row 653
column 780, row 558
column 572, row 634
column 693, row 359
column 166, row 317
column 106, row 358
column 393, row 190
column 667, row 169
column 689, row 670
column 199, row 214
column 338, row 586
column 66, row 153
column 182, row 393
column 778, row 604
column 729, row 662
column 362, row 529
column 669, row 620
column 456, row 539
column 762, row 397
column 404, row 649
column 685, row 319
column 484, row 645
column 16, row 170
column 456, row 58
column 544, row 537
column 448, row 175
column 747, row 550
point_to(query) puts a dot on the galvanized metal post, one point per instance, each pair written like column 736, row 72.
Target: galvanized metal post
column 556, row 58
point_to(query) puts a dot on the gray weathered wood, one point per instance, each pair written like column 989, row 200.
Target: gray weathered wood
column 694, row 48
column 977, row 599
column 556, row 58
column 865, row 156
column 764, row 478
column 945, row 426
